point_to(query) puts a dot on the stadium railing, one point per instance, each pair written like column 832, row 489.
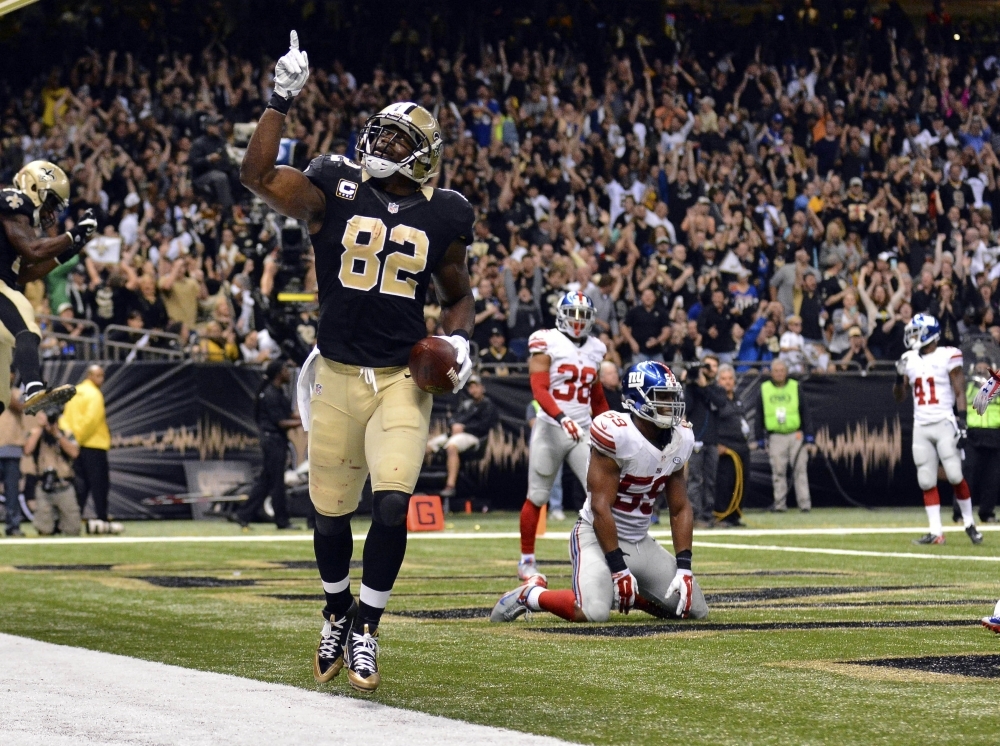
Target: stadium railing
column 86, row 346
column 157, row 345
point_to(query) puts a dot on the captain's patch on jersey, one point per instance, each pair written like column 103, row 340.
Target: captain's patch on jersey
column 347, row 189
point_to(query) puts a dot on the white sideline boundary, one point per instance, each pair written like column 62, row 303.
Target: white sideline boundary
column 844, row 552
column 62, row 696
column 447, row 535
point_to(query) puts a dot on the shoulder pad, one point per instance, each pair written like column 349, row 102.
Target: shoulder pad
column 538, row 342
column 606, row 432
column 335, row 175
column 16, row 202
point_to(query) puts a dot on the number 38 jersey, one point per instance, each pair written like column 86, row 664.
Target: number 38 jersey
column 573, row 370
column 375, row 255
column 644, row 469
column 929, row 376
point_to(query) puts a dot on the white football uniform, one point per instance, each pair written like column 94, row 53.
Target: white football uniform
column 572, row 372
column 644, row 472
column 935, row 430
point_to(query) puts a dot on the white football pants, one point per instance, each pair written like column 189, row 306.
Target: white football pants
column 550, row 447
column 652, row 565
column 934, row 442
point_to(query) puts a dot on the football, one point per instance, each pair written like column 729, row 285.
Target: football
column 434, row 365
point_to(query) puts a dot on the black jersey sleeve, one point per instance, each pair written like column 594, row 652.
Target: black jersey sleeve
column 336, row 175
column 16, row 202
column 460, row 215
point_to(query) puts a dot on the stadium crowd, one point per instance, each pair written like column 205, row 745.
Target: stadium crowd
column 802, row 204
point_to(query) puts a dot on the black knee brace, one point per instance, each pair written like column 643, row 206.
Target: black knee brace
column 333, row 526
column 389, row 507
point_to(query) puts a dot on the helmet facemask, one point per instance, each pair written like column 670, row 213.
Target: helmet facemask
column 575, row 321
column 380, row 131
column 662, row 406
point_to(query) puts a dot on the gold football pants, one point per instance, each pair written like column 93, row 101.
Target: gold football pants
column 12, row 304
column 360, row 426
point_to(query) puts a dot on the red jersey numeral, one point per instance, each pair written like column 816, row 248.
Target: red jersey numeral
column 577, row 386
column 918, row 391
column 639, row 493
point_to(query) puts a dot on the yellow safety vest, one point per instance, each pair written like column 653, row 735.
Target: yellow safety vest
column 988, row 421
column 781, row 407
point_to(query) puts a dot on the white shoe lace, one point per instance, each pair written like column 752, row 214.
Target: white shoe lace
column 330, row 638
column 363, row 652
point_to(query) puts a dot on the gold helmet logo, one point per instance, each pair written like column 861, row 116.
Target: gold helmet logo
column 45, row 184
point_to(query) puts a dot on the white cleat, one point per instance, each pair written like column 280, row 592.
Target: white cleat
column 514, row 604
column 558, row 515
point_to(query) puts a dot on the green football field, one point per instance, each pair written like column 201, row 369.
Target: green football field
column 813, row 636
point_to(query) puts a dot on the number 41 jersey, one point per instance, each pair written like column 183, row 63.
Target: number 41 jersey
column 375, row 255
column 644, row 469
column 572, row 372
column 930, row 379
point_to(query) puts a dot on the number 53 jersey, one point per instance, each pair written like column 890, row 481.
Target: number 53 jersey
column 375, row 255
column 930, row 379
column 644, row 469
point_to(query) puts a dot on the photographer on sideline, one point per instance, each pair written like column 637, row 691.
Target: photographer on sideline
column 51, row 451
column 704, row 399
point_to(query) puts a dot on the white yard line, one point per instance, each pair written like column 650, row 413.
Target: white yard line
column 63, row 696
column 439, row 535
column 845, row 552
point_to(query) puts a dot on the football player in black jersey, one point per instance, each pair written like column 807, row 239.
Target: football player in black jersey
column 380, row 235
column 40, row 193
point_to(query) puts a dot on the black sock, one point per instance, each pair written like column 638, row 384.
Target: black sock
column 383, row 556
column 333, row 557
column 26, row 357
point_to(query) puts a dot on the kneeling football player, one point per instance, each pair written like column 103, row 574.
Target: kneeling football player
column 616, row 563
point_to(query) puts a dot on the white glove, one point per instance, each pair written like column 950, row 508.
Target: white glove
column 682, row 583
column 901, row 366
column 464, row 360
column 571, row 428
column 292, row 70
column 986, row 393
column 623, row 584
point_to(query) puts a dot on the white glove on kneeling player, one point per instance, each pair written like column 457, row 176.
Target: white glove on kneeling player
column 292, row 70
column 986, row 393
column 623, row 584
column 682, row 583
column 463, row 358
column 570, row 427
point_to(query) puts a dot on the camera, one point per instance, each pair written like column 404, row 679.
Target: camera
column 49, row 480
column 53, row 413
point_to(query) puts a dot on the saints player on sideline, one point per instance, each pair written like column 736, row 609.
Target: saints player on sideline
column 939, row 406
column 379, row 235
column 617, row 565
column 40, row 193
column 564, row 369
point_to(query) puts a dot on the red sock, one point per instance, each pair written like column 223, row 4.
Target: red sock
column 962, row 490
column 529, row 525
column 931, row 496
column 560, row 603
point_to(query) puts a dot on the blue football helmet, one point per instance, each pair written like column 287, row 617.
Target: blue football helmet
column 652, row 392
column 575, row 314
column 921, row 331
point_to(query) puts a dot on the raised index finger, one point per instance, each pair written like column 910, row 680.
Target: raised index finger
column 295, row 39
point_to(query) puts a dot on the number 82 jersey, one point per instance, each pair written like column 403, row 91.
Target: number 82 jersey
column 930, row 378
column 572, row 372
column 375, row 255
